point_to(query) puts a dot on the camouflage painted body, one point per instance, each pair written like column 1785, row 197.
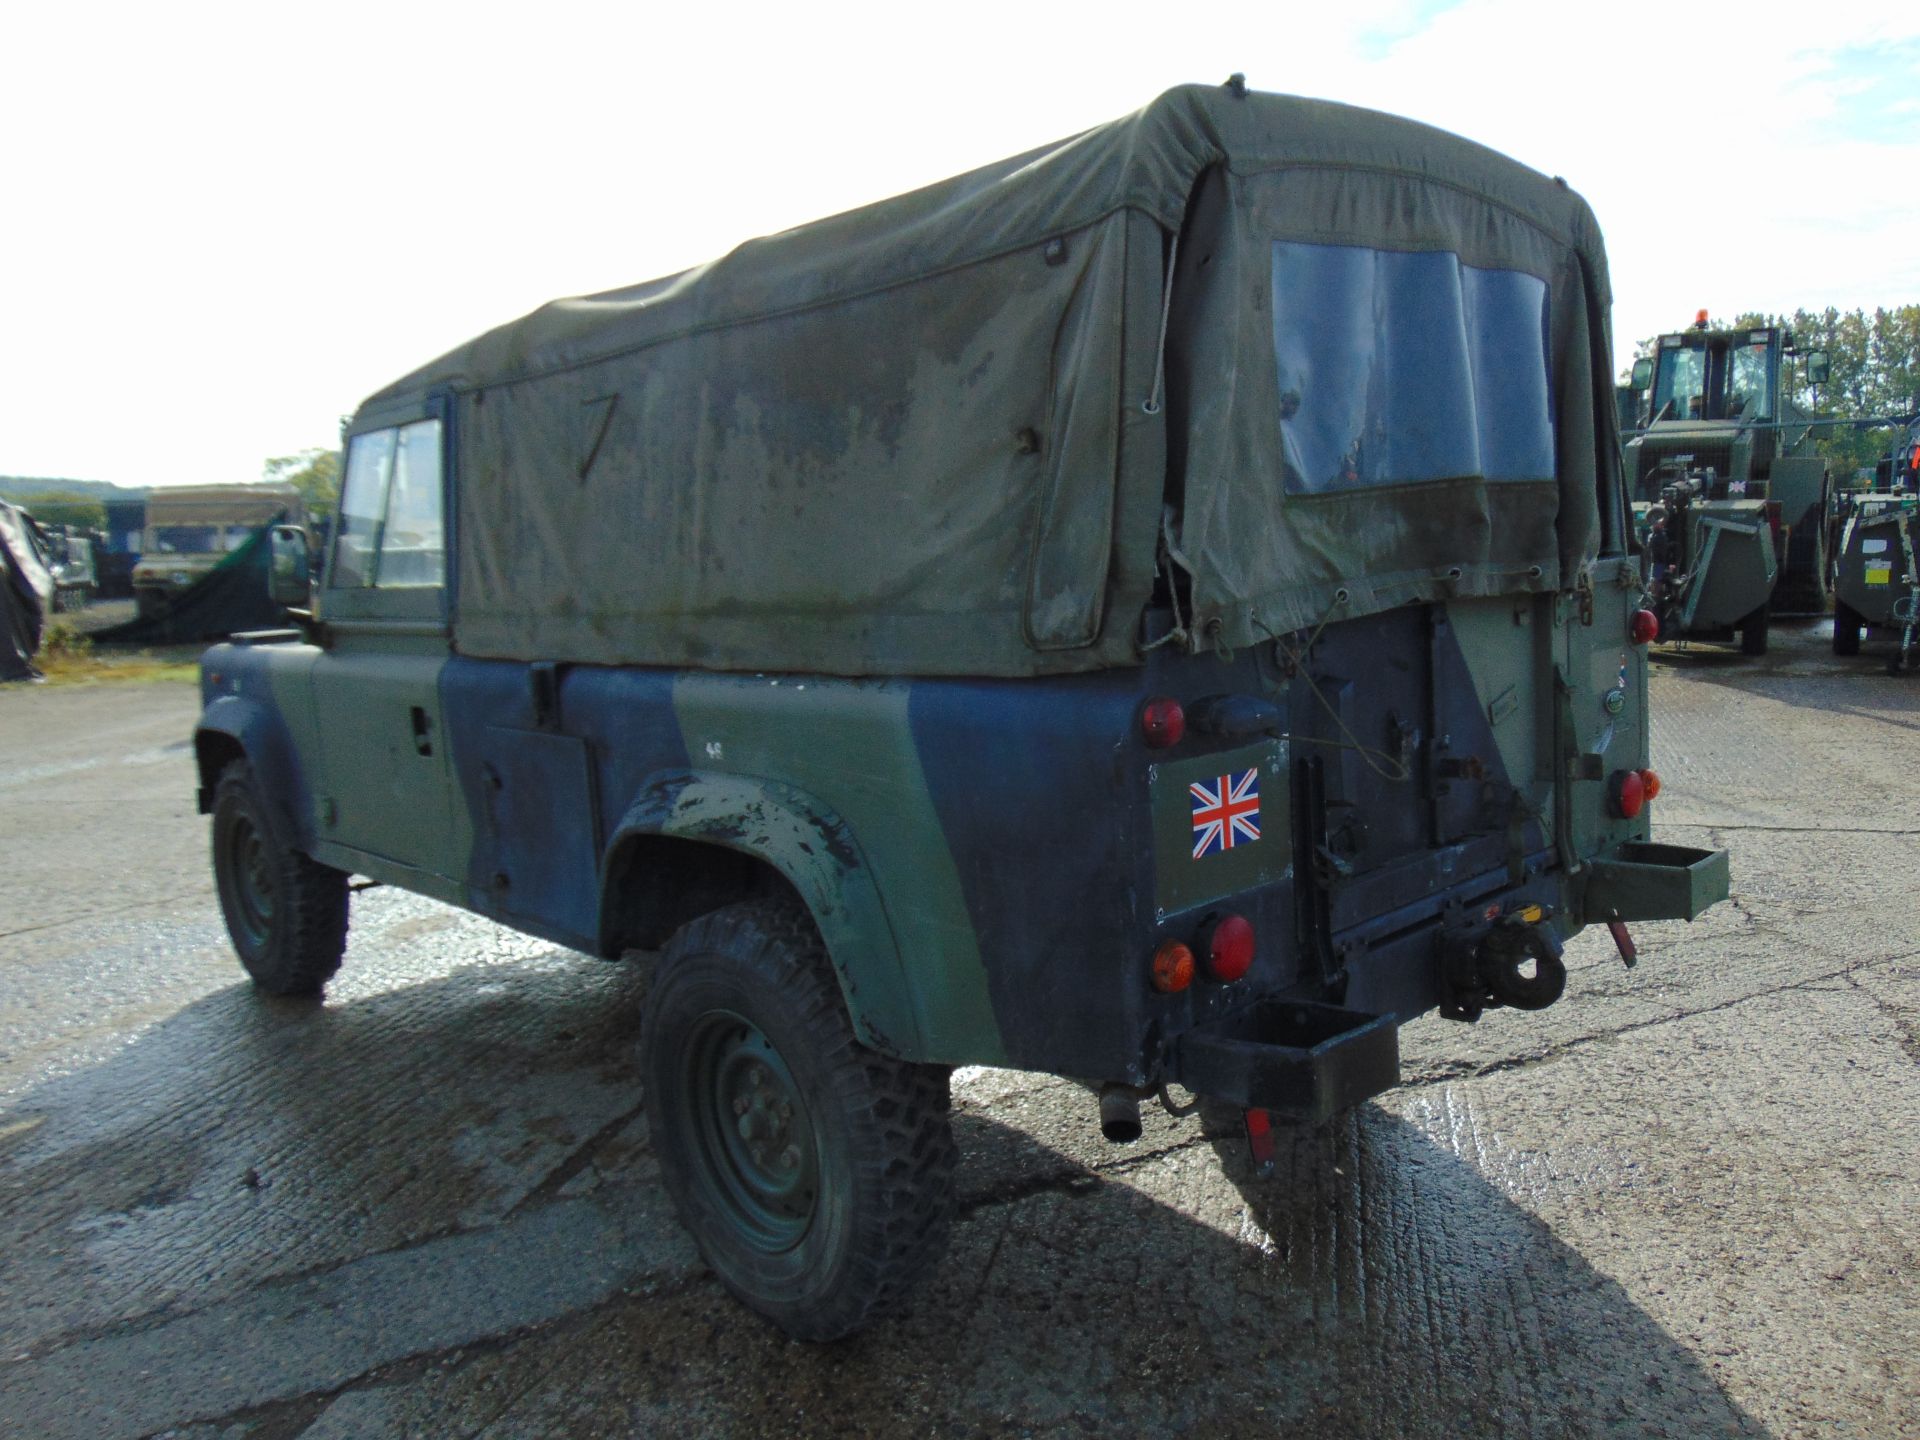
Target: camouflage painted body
column 993, row 863
column 1126, row 419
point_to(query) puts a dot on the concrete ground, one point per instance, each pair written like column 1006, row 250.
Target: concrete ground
column 1680, row 1203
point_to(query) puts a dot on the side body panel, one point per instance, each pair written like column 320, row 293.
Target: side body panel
column 383, row 764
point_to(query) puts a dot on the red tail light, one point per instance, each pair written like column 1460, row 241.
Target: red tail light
column 1230, row 948
column 1163, row 722
column 1643, row 628
column 1773, row 517
column 1172, row 967
column 1626, row 794
column 1650, row 783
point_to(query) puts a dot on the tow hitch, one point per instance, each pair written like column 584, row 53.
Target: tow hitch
column 1515, row 961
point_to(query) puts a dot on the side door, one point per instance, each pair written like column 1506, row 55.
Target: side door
column 386, row 786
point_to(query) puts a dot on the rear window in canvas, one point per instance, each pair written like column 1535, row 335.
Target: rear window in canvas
column 1397, row 367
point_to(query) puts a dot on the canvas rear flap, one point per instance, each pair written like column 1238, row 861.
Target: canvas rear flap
column 1270, row 555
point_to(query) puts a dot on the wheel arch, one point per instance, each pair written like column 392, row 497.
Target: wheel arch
column 692, row 841
column 237, row 728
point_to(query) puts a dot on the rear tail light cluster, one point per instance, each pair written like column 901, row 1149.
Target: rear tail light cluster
column 1644, row 627
column 1229, row 948
column 1225, row 945
column 1628, row 791
column 1163, row 722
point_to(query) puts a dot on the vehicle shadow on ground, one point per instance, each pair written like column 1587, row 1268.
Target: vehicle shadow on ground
column 1380, row 1285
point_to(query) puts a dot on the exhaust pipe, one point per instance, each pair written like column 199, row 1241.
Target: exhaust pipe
column 1119, row 1114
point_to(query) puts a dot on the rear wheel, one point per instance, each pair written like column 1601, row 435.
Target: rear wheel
column 814, row 1174
column 287, row 914
column 1846, row 629
column 1753, row 633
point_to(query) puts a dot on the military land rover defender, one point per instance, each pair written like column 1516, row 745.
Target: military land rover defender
column 1159, row 610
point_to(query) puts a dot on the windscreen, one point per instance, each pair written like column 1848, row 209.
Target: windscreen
column 1397, row 367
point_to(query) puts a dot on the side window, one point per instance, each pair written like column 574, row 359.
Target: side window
column 363, row 495
column 391, row 532
column 413, row 548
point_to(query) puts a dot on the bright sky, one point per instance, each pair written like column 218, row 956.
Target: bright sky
column 221, row 227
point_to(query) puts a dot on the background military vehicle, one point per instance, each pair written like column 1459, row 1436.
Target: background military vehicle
column 190, row 529
column 1099, row 615
column 75, row 555
column 1876, row 580
column 1728, row 492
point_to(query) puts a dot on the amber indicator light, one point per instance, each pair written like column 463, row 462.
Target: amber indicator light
column 1172, row 967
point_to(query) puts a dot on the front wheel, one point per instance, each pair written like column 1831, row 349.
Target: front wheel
column 287, row 914
column 814, row 1174
column 1753, row 633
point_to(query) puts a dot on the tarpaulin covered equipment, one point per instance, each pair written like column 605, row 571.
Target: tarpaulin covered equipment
column 937, row 435
column 26, row 594
column 235, row 595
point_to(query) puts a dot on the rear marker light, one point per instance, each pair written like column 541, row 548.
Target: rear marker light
column 1230, row 949
column 1644, row 627
column 1172, row 967
column 1650, row 783
column 1626, row 793
column 1163, row 722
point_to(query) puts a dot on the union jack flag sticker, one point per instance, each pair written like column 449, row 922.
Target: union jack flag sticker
column 1226, row 812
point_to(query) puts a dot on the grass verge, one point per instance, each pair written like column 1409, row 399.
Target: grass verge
column 68, row 657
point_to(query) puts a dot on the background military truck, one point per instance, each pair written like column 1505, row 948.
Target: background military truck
column 191, row 528
column 1099, row 615
column 1876, row 580
column 1725, row 465
column 72, row 553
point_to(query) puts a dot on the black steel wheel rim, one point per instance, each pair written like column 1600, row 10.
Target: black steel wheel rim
column 756, row 1155
column 249, row 869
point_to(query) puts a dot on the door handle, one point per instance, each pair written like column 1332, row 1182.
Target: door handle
column 422, row 732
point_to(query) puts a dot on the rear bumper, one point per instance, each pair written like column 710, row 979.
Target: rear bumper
column 1307, row 1060
column 1311, row 1060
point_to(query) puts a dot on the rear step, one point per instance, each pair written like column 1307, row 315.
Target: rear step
column 1306, row 1060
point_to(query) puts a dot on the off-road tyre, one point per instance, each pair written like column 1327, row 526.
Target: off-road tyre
column 1753, row 633
column 286, row 913
column 1846, row 629
column 825, row 1219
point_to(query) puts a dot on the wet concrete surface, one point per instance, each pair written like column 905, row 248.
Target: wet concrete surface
column 1680, row 1203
